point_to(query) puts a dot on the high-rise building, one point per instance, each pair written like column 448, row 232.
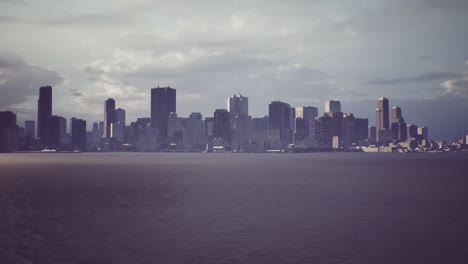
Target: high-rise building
column 337, row 128
column 173, row 124
column 362, row 125
column 120, row 115
column 222, row 125
column 193, row 132
column 412, row 131
column 323, row 130
column 280, row 118
column 423, row 132
column 372, row 134
column 209, row 121
column 109, row 117
column 260, row 124
column 95, row 134
column 400, row 131
column 53, row 132
column 118, row 131
column 8, row 131
column 332, row 106
column 308, row 113
column 238, row 107
column 397, row 117
column 398, row 126
column 101, row 129
column 382, row 114
column 301, row 130
column 78, row 134
column 44, row 111
column 63, row 129
column 30, row 128
column 163, row 102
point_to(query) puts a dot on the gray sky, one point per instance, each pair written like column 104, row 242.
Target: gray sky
column 301, row 52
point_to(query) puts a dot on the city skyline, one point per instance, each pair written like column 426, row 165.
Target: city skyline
column 303, row 53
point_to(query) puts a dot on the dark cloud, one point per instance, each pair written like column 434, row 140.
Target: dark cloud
column 19, row 79
column 427, row 77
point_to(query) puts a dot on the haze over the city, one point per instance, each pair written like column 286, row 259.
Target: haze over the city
column 300, row 52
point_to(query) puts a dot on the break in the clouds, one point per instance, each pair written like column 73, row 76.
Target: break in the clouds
column 301, row 52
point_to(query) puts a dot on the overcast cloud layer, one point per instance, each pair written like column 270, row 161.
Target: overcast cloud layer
column 300, row 52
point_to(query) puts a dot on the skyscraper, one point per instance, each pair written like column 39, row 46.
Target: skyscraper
column 396, row 115
column 8, row 131
column 307, row 113
column 382, row 114
column 193, row 132
column 412, row 131
column 78, row 134
column 30, row 128
column 44, row 111
column 382, row 119
column 280, row 118
column 222, row 125
column 398, row 126
column 163, row 102
column 238, row 107
column 120, row 115
column 53, row 132
column 332, row 106
column 63, row 129
column 109, row 117
column 323, row 131
column 423, row 132
column 372, row 134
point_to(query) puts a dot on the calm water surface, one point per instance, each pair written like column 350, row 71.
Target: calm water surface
column 233, row 208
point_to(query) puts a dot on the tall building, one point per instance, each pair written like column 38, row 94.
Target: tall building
column 53, row 132
column 382, row 114
column 398, row 126
column 372, row 134
column 173, row 124
column 281, row 119
column 396, row 115
column 118, row 131
column 30, row 128
column 412, row 131
column 120, row 115
column 382, row 119
column 238, row 107
column 209, row 121
column 163, row 102
column 95, row 133
column 44, row 111
column 109, row 117
column 332, row 106
column 423, row 132
column 8, row 131
column 222, row 125
column 193, row 132
column 63, row 129
column 362, row 125
column 101, row 129
column 307, row 113
column 78, row 134
column 323, row 130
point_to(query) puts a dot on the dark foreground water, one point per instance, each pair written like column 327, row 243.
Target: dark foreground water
column 233, row 208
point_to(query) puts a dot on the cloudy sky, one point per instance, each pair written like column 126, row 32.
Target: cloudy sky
column 302, row 52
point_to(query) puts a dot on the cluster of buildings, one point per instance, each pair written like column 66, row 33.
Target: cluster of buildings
column 285, row 129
